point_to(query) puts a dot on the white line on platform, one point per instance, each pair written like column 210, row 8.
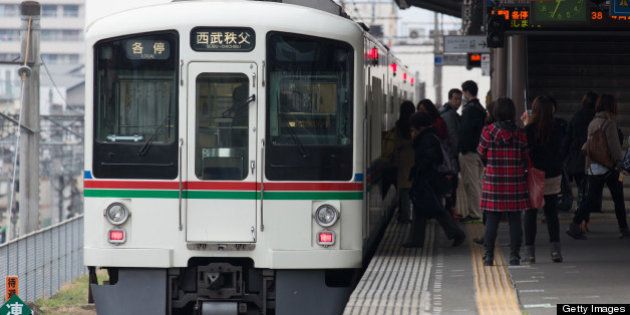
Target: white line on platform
column 531, row 291
column 546, row 305
column 526, row 281
column 550, row 298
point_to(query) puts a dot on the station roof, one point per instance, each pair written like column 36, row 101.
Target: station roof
column 449, row 7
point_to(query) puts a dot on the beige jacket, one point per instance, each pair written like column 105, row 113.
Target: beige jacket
column 611, row 134
column 399, row 152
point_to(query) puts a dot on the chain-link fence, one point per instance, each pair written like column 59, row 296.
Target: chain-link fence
column 44, row 260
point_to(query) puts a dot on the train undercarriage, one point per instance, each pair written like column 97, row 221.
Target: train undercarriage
column 222, row 287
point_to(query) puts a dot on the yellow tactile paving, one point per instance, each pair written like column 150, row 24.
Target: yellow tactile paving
column 495, row 293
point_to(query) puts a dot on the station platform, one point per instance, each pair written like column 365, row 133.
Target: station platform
column 440, row 279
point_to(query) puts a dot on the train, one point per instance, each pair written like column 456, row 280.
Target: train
column 233, row 156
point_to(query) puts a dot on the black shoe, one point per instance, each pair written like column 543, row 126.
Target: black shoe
column 515, row 261
column 459, row 239
column 478, row 240
column 412, row 244
column 575, row 232
column 488, row 257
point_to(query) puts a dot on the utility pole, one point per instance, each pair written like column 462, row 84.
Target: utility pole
column 437, row 70
column 29, row 140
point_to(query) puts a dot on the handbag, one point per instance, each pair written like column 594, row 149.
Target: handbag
column 536, row 187
column 424, row 199
column 596, row 147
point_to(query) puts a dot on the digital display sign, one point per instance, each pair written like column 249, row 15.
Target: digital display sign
column 541, row 15
column 147, row 49
column 217, row 39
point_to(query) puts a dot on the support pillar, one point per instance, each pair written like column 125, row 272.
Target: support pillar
column 517, row 72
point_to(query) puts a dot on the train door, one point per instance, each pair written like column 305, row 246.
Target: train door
column 221, row 190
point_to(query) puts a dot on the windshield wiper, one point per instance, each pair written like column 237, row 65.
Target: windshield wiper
column 147, row 144
column 237, row 107
column 299, row 143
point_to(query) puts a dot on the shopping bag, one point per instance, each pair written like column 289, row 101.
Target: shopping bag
column 536, row 187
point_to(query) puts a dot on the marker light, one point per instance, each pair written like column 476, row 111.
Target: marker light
column 394, row 67
column 326, row 215
column 326, row 238
column 405, row 77
column 373, row 54
column 117, row 213
column 117, row 236
column 413, row 80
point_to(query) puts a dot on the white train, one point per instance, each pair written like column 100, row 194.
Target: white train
column 233, row 157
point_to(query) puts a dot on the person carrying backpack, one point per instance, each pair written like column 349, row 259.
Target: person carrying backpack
column 603, row 157
column 424, row 194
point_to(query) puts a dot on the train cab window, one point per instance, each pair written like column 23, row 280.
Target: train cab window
column 135, row 107
column 222, row 111
column 309, row 108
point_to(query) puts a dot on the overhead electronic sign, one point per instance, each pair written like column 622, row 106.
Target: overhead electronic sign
column 560, row 15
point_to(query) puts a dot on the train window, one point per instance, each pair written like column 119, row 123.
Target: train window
column 222, row 124
column 309, row 108
column 135, row 107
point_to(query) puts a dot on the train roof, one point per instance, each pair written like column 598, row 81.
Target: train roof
column 260, row 15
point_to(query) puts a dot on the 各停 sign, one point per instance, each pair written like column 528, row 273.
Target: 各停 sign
column 15, row 306
column 147, row 49
column 216, row 39
column 465, row 44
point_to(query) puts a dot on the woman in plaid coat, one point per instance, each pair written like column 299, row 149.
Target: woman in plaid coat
column 503, row 148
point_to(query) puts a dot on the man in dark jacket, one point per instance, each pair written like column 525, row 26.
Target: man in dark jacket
column 425, row 198
column 449, row 114
column 575, row 138
column 472, row 122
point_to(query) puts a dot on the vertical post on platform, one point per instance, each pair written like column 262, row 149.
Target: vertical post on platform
column 516, row 74
column 437, row 70
column 498, row 77
column 29, row 140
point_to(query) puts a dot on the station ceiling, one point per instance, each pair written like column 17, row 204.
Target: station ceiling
column 449, row 7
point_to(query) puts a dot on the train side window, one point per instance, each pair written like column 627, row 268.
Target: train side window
column 221, row 148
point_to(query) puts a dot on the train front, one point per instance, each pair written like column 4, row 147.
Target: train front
column 223, row 165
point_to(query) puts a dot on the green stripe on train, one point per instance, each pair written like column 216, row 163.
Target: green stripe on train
column 239, row 195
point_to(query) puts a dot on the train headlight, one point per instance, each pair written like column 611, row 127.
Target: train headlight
column 326, row 215
column 117, row 213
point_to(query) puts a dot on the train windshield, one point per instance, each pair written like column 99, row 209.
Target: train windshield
column 135, row 107
column 309, row 108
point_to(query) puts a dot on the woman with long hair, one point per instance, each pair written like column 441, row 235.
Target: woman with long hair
column 503, row 148
column 544, row 138
column 427, row 106
column 599, row 174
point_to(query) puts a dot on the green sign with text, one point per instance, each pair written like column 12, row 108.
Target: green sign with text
column 15, row 306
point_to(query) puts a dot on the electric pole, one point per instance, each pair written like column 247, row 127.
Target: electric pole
column 28, row 219
column 437, row 69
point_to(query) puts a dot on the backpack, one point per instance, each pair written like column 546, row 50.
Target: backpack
column 449, row 164
column 596, row 147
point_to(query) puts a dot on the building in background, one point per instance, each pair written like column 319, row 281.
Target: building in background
column 62, row 24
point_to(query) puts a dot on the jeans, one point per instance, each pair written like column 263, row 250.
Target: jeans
column 492, row 226
column 593, row 198
column 551, row 215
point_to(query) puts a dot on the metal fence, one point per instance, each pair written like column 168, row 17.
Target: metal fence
column 44, row 260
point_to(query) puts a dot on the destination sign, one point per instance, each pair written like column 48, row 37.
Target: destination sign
column 147, row 49
column 551, row 15
column 217, row 39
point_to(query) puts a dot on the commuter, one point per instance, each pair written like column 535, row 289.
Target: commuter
column 503, row 148
column 604, row 171
column 472, row 122
column 427, row 106
column 544, row 137
column 398, row 151
column 425, row 198
column 572, row 147
column 451, row 118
